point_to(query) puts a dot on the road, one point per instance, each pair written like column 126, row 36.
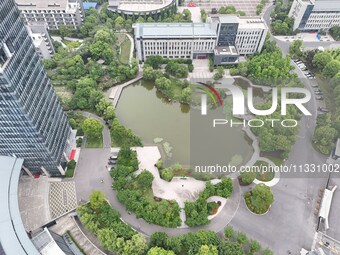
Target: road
column 290, row 225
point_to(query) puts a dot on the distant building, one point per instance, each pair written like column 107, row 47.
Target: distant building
column 88, row 5
column 313, row 15
column 144, row 8
column 225, row 37
column 53, row 13
column 41, row 40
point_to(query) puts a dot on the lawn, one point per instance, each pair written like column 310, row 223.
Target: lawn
column 71, row 44
column 264, row 176
column 125, row 51
column 94, row 142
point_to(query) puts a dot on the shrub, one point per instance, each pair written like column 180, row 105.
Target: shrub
column 247, row 177
column 71, row 165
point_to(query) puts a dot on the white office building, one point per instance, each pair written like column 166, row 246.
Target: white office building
column 313, row 15
column 226, row 37
column 174, row 40
column 52, row 13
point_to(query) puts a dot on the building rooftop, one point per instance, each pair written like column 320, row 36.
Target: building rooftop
column 13, row 237
column 174, row 30
column 243, row 21
column 131, row 6
column 228, row 18
column 43, row 4
column 226, row 50
column 252, row 22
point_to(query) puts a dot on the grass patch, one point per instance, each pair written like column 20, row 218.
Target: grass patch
column 71, row 44
column 264, row 176
column 328, row 93
column 276, row 160
column 125, row 51
column 94, row 142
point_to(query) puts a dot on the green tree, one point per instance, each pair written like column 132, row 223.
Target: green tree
column 186, row 95
column 104, row 36
column 228, row 248
column 331, row 69
column 92, row 127
column 97, row 199
column 267, row 252
column 107, row 238
column 247, row 177
column 102, row 50
column 262, row 197
column 137, row 245
column 119, row 22
column 159, row 239
column 229, row 232
column 255, row 247
column 324, row 135
column 295, row 48
column 208, row 250
column 242, row 238
column 140, row 19
column 335, row 32
column 321, row 59
column 159, row 251
column 145, row 179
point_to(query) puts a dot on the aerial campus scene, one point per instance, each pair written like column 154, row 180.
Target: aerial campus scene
column 165, row 127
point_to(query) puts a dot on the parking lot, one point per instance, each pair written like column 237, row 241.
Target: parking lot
column 248, row 6
column 318, row 94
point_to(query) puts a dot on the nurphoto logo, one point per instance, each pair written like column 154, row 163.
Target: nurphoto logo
column 239, row 109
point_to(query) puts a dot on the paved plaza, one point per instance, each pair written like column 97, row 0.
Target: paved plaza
column 33, row 202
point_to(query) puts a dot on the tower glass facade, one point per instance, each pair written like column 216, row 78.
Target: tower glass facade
column 33, row 125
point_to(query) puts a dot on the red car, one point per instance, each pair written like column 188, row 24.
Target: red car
column 191, row 4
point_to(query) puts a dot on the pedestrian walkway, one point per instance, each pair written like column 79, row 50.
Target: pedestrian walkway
column 115, row 92
column 68, row 223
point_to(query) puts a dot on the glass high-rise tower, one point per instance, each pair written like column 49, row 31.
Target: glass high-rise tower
column 33, row 125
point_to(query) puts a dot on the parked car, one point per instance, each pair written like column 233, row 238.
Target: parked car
column 317, row 90
column 110, row 162
column 319, row 98
column 314, row 85
column 113, row 157
column 318, row 93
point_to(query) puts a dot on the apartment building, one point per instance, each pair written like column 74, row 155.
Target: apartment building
column 33, row 125
column 313, row 15
column 53, row 13
column 225, row 37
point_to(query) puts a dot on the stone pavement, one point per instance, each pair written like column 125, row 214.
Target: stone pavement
column 62, row 198
column 33, row 202
column 201, row 70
